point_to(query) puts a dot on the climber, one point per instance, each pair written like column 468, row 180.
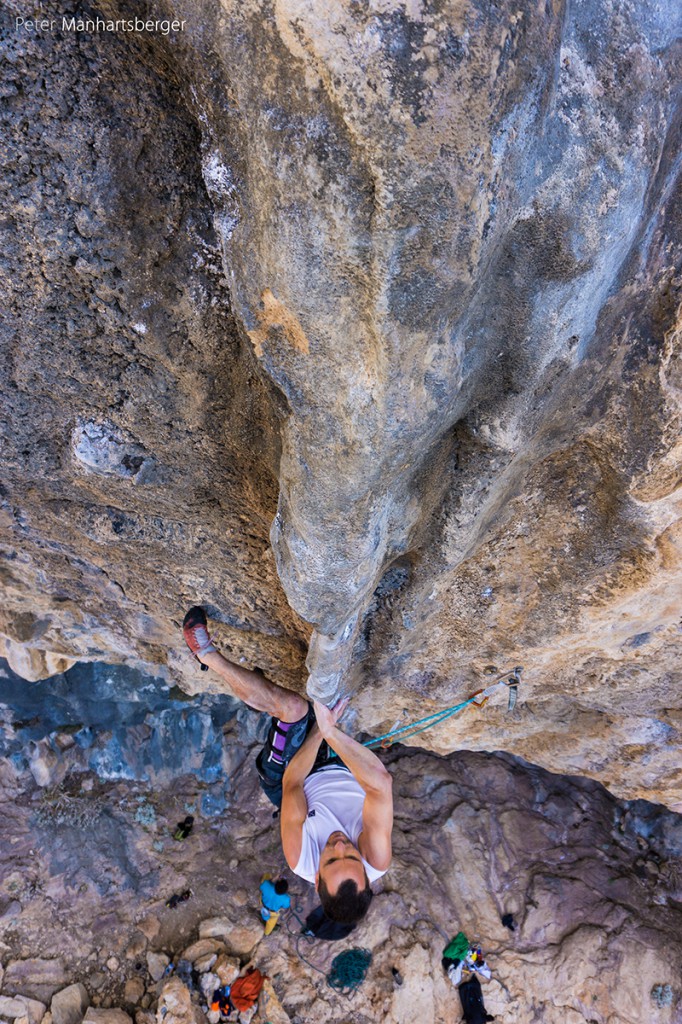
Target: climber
column 335, row 795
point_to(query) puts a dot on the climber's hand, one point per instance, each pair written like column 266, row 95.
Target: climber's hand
column 328, row 717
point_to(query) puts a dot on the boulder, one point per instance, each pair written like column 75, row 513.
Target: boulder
column 175, row 1004
column 238, row 938
column 149, row 927
column 209, row 983
column 134, row 990
column 33, row 1010
column 156, row 965
column 269, row 1006
column 226, row 968
column 69, row 1005
column 11, row 1008
column 108, row 1016
column 205, row 963
column 203, row 947
column 37, row 978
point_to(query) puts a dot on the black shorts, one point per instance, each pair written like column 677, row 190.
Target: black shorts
column 271, row 772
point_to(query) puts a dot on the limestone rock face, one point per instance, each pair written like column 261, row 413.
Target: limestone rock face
column 139, row 445
column 393, row 286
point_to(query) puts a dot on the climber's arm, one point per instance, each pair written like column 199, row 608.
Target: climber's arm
column 364, row 764
column 374, row 841
column 377, row 814
column 294, row 804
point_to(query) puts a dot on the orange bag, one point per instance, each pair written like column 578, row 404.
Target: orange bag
column 245, row 991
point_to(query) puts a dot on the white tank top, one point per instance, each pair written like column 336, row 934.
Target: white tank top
column 335, row 801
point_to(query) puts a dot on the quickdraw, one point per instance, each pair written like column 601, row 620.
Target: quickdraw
column 511, row 680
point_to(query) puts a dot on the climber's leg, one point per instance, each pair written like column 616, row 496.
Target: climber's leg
column 254, row 689
column 248, row 685
column 292, row 716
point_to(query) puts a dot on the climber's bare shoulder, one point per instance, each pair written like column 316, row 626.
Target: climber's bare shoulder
column 374, row 842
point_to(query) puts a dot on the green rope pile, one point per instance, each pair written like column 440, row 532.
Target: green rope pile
column 349, row 970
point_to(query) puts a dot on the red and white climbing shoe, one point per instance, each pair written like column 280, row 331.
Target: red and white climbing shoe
column 195, row 632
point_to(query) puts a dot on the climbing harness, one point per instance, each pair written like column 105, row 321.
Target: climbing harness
column 349, row 970
column 511, row 680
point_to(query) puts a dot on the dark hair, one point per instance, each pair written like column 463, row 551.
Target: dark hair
column 281, row 886
column 348, row 905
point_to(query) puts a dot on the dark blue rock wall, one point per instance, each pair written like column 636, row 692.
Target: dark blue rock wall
column 127, row 725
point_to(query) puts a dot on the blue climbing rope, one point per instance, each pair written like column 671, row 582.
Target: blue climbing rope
column 511, row 680
column 294, row 910
column 425, row 723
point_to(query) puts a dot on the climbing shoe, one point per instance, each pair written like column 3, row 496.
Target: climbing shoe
column 178, row 898
column 195, row 632
column 183, row 828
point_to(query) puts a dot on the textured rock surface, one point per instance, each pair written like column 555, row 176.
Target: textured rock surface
column 36, row 977
column 69, row 1005
column 175, row 1004
column 399, row 280
column 106, row 1016
column 594, row 886
column 21, row 1007
column 139, row 445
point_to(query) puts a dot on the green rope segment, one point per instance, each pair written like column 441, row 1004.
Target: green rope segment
column 349, row 970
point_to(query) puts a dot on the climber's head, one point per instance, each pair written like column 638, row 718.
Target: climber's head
column 342, row 882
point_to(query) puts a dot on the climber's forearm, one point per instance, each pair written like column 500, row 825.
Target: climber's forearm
column 303, row 760
column 364, row 764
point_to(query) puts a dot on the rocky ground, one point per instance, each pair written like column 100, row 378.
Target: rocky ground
column 88, row 863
